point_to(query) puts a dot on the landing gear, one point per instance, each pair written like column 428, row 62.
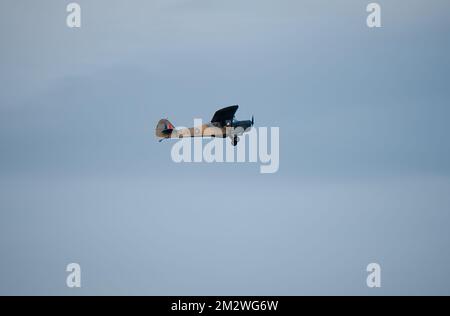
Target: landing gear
column 234, row 140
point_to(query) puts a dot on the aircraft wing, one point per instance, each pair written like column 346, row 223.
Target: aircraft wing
column 224, row 114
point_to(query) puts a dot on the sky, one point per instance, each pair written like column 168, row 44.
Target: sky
column 364, row 162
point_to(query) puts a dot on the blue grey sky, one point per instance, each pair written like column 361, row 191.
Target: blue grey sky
column 364, row 159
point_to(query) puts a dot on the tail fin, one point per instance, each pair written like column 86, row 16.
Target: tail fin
column 164, row 128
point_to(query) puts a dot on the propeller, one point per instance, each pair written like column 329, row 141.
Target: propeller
column 253, row 121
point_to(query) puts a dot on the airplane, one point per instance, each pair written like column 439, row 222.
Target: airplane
column 223, row 124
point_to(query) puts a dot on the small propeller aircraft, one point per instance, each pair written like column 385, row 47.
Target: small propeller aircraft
column 223, row 124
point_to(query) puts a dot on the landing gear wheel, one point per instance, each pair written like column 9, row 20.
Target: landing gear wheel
column 234, row 140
